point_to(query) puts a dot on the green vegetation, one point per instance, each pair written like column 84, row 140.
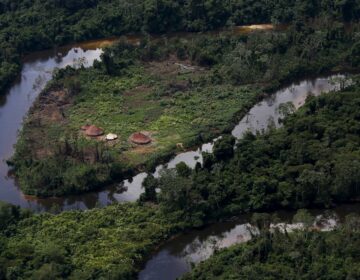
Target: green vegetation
column 108, row 243
column 10, row 215
column 113, row 243
column 174, row 105
column 34, row 25
column 307, row 162
column 314, row 160
column 183, row 91
column 298, row 255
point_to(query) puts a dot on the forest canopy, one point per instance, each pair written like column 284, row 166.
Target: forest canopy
column 312, row 161
column 298, row 255
column 306, row 163
column 234, row 71
column 29, row 25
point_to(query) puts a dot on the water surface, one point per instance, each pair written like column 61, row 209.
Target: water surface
column 37, row 71
column 177, row 256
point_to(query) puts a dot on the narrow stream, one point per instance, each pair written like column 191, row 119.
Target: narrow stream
column 176, row 257
column 37, row 71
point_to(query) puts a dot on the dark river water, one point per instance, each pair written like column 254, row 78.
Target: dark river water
column 177, row 256
column 37, row 71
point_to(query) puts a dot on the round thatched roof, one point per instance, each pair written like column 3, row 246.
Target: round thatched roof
column 93, row 130
column 85, row 127
column 140, row 138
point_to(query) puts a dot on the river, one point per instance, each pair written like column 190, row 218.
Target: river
column 176, row 257
column 37, row 71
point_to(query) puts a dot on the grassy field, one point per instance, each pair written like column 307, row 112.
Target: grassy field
column 171, row 99
column 181, row 91
column 149, row 99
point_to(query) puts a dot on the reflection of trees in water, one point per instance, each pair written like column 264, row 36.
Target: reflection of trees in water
column 190, row 244
column 91, row 200
column 270, row 123
column 250, row 124
column 39, row 82
column 293, row 89
column 58, row 59
column 200, row 250
column 285, row 110
column 115, row 190
column 80, row 62
column 54, row 205
column 271, row 99
column 340, row 82
column 199, row 246
column 329, row 220
column 3, row 99
column 57, row 205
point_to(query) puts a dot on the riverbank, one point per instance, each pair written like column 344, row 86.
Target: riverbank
column 185, row 253
column 303, row 168
column 175, row 93
column 275, row 255
column 115, row 240
column 37, row 71
column 81, row 245
column 147, row 99
column 257, row 119
column 39, row 25
column 124, row 235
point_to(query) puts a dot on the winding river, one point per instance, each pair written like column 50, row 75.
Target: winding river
column 174, row 258
column 37, row 71
column 177, row 256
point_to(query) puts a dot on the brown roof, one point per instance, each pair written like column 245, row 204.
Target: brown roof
column 93, row 130
column 85, row 127
column 140, row 138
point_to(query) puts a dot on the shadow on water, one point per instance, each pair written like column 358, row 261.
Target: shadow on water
column 174, row 258
column 37, row 71
column 177, row 256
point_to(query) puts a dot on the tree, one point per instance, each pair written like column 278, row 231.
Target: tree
column 183, row 170
column 224, row 147
column 150, row 185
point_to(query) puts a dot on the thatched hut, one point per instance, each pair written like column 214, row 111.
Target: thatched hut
column 140, row 138
column 94, row 131
column 85, row 127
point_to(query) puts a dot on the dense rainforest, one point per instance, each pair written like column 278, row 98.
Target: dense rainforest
column 308, row 162
column 137, row 88
column 312, row 161
column 297, row 255
column 29, row 25
column 108, row 243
